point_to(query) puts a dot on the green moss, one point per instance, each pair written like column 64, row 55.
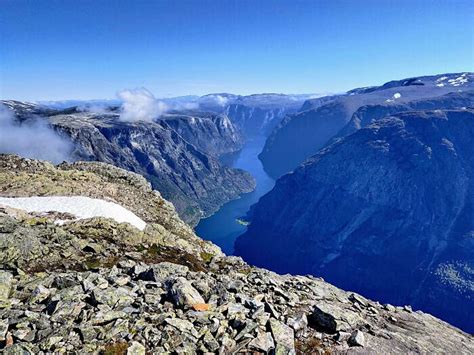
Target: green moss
column 207, row 257
column 37, row 221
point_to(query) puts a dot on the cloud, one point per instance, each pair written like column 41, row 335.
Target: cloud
column 214, row 99
column 32, row 139
column 140, row 105
column 94, row 108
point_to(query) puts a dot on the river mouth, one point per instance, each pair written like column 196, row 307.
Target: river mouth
column 224, row 226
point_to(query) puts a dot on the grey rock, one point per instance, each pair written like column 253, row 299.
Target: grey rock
column 136, row 348
column 182, row 325
column 263, row 342
column 40, row 294
column 284, row 337
column 3, row 329
column 6, row 280
column 299, row 322
column 184, row 294
column 357, row 338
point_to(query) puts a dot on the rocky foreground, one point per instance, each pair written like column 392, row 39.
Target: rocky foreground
column 96, row 286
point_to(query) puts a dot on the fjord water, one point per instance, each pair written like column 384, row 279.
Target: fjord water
column 223, row 227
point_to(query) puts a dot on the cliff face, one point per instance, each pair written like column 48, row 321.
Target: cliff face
column 97, row 286
column 301, row 135
column 194, row 181
column 386, row 211
column 174, row 153
column 259, row 114
column 211, row 133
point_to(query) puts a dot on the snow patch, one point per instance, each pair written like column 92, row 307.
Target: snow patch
column 397, row 95
column 80, row 206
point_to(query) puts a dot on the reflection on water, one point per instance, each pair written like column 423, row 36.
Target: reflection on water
column 222, row 228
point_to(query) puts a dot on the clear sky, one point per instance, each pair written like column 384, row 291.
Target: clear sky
column 83, row 49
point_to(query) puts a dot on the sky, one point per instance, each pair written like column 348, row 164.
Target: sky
column 91, row 49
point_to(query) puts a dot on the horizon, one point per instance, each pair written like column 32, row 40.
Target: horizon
column 316, row 95
column 65, row 50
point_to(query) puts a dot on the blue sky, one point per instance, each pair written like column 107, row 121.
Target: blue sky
column 61, row 49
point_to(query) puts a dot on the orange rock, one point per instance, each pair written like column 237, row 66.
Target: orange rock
column 201, row 307
column 9, row 339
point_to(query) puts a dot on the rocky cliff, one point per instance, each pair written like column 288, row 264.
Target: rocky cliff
column 385, row 211
column 174, row 153
column 97, row 286
column 301, row 135
column 211, row 133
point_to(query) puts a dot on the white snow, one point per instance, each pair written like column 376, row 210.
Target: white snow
column 440, row 85
column 397, row 95
column 460, row 80
column 80, row 206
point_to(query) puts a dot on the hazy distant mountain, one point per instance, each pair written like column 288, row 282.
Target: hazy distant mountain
column 254, row 114
column 386, row 211
column 301, row 135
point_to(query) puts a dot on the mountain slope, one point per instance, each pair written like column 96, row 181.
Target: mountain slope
column 174, row 153
column 194, row 181
column 386, row 211
column 301, row 135
column 96, row 286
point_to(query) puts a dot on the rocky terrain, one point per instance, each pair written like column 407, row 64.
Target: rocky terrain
column 174, row 153
column 385, row 211
column 301, row 135
column 96, row 286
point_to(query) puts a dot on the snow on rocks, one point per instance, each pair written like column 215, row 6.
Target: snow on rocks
column 80, row 206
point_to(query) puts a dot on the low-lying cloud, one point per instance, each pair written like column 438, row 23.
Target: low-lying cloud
column 140, row 105
column 32, row 139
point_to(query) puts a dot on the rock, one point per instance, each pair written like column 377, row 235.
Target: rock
column 235, row 286
column 136, row 348
column 3, row 329
column 184, row 294
column 39, row 294
column 209, row 342
column 114, row 296
column 357, row 338
column 6, row 280
column 284, row 337
column 263, row 342
column 298, row 322
column 182, row 325
column 201, row 307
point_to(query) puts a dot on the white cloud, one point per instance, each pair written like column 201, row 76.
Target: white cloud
column 32, row 139
column 140, row 105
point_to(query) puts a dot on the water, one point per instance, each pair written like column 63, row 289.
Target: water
column 222, row 228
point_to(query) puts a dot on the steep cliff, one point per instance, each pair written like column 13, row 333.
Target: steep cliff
column 177, row 153
column 301, row 135
column 97, row 286
column 385, row 211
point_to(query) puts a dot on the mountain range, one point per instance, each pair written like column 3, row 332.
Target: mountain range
column 385, row 206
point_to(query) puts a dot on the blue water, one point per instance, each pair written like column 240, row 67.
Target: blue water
column 222, row 227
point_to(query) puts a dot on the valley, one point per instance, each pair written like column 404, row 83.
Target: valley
column 224, row 226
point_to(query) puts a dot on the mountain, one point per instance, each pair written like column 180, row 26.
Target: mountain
column 211, row 133
column 255, row 114
column 386, row 211
column 94, row 285
column 174, row 153
column 301, row 135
